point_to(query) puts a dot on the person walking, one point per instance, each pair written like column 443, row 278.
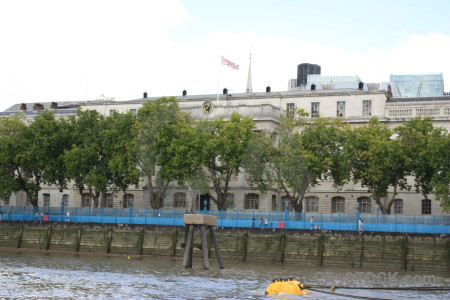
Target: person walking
column 253, row 222
column 68, row 216
column 311, row 226
column 360, row 226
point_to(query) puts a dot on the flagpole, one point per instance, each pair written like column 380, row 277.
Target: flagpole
column 218, row 81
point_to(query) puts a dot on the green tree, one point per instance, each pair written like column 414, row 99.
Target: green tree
column 306, row 153
column 222, row 145
column 439, row 153
column 32, row 155
column 86, row 161
column 118, row 146
column 162, row 137
column 379, row 161
column 426, row 148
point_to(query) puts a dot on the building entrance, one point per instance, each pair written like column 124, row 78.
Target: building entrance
column 204, row 201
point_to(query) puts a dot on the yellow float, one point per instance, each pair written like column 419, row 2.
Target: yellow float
column 286, row 286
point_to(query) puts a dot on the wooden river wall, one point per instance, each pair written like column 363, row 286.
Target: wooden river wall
column 297, row 247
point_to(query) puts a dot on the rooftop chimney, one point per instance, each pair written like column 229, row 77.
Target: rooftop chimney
column 23, row 106
column 361, row 85
column 145, row 94
column 184, row 92
column 313, row 87
column 225, row 91
column 268, row 89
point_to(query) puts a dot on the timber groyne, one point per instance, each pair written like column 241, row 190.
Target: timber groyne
column 385, row 250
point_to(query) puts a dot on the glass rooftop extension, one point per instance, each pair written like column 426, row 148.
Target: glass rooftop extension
column 418, row 85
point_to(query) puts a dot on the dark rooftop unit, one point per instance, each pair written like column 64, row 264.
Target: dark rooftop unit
column 305, row 69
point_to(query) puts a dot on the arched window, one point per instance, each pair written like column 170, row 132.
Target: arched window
column 274, row 203
column 179, row 200
column 251, row 201
column 337, row 204
column 46, row 199
column 127, row 200
column 311, row 204
column 398, row 206
column 65, row 200
column 364, row 205
column 109, row 200
column 86, row 200
column 426, row 207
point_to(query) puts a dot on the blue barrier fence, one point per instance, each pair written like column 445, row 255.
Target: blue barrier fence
column 233, row 218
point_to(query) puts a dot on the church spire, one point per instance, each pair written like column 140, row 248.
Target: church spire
column 249, row 78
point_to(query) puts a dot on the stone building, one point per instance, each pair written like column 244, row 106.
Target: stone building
column 355, row 105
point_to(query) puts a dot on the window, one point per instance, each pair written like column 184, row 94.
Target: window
column 133, row 111
column 86, row 200
column 398, row 206
column 112, row 112
column 367, row 108
column 315, row 109
column 251, row 201
column 364, row 205
column 274, row 203
column 290, row 109
column 340, row 109
column 426, row 207
column 179, row 200
column 6, row 199
column 46, row 199
column 312, row 204
column 65, row 200
column 230, row 200
column 109, row 200
column 127, row 200
column 337, row 205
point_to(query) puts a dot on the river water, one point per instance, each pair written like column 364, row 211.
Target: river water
column 40, row 275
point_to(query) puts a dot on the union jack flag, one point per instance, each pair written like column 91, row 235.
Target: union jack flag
column 229, row 63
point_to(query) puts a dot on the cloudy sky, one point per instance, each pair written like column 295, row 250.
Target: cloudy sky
column 63, row 50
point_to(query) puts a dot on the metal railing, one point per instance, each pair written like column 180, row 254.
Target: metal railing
column 439, row 224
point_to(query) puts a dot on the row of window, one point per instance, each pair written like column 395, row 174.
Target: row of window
column 340, row 109
column 127, row 200
column 251, row 201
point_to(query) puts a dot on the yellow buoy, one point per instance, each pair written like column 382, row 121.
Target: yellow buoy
column 286, row 286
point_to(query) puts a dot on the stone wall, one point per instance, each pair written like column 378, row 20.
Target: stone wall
column 296, row 247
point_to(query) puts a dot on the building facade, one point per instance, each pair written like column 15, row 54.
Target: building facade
column 356, row 106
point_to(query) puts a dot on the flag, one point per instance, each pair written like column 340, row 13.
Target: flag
column 229, row 63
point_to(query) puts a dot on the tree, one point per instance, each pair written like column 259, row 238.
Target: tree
column 117, row 138
column 306, row 153
column 427, row 149
column 379, row 161
column 32, row 155
column 222, row 145
column 439, row 153
column 162, row 137
column 86, row 161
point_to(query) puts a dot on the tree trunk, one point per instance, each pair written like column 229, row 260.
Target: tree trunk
column 33, row 199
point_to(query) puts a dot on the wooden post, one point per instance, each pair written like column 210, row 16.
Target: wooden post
column 216, row 247
column 204, row 247
column 187, row 258
column 204, row 221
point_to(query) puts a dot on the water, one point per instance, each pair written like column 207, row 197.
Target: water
column 39, row 275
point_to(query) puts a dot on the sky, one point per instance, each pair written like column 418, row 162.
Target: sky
column 64, row 50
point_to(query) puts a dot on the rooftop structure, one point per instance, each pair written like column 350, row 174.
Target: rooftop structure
column 418, row 85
